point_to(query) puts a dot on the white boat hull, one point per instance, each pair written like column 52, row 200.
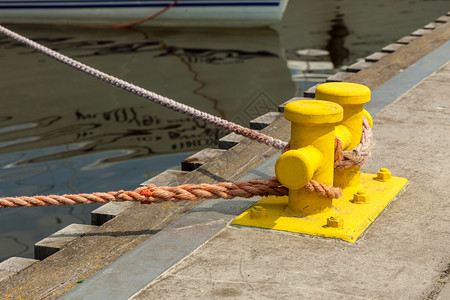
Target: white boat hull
column 215, row 13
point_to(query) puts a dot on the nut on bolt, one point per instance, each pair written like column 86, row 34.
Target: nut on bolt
column 360, row 197
column 384, row 174
column 335, row 222
column 258, row 212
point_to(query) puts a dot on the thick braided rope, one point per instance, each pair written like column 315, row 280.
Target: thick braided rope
column 361, row 153
column 164, row 101
column 190, row 192
column 59, row 200
column 338, row 151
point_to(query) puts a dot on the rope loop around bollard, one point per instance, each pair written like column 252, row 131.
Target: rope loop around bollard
column 358, row 156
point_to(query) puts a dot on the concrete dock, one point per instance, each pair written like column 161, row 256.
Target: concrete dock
column 405, row 254
column 189, row 250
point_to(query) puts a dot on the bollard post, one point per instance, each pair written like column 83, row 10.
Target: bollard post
column 311, row 155
column 337, row 111
column 351, row 97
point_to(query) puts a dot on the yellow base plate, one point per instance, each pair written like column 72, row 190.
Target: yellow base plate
column 356, row 217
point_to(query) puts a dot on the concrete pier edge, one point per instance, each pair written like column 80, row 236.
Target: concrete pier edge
column 436, row 39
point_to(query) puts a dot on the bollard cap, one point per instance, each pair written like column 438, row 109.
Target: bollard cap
column 295, row 168
column 311, row 112
column 343, row 93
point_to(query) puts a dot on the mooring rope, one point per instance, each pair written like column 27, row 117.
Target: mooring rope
column 151, row 17
column 164, row 101
column 361, row 153
column 195, row 192
column 124, row 25
column 190, row 192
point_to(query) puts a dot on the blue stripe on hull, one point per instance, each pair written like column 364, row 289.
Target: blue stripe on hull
column 85, row 4
column 155, row 1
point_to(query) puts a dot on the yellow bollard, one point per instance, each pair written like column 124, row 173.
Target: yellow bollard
column 311, row 155
column 351, row 97
column 313, row 131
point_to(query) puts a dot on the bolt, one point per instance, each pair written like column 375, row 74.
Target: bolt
column 384, row 174
column 335, row 222
column 258, row 212
column 360, row 197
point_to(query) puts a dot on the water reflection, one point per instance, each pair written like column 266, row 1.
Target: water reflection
column 64, row 132
column 11, row 245
column 312, row 66
column 219, row 75
column 336, row 44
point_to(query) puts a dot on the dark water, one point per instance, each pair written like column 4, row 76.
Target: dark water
column 64, row 132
